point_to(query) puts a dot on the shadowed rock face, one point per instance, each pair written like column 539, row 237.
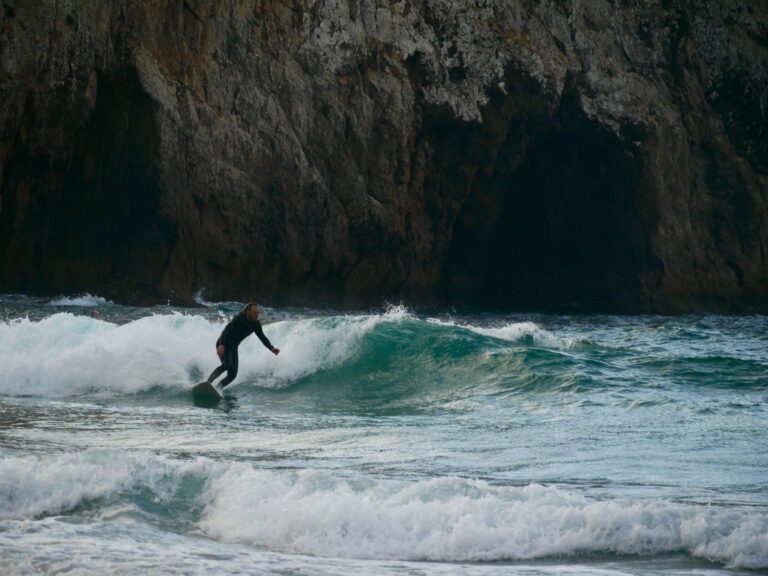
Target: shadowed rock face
column 545, row 155
column 72, row 222
column 572, row 222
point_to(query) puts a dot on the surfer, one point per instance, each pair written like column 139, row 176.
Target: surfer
column 238, row 329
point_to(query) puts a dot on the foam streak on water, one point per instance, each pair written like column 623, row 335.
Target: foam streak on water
column 386, row 442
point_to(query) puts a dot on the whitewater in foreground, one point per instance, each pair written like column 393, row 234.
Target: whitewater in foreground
column 385, row 442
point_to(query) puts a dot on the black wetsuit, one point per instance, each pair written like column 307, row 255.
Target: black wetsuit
column 238, row 329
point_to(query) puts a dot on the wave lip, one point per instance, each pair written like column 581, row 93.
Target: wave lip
column 515, row 332
column 313, row 345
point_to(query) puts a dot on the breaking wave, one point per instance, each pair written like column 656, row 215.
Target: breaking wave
column 69, row 355
column 318, row 513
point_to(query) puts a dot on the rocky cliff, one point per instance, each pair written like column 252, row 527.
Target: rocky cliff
column 533, row 154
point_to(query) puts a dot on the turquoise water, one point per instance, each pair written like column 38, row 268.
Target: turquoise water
column 384, row 442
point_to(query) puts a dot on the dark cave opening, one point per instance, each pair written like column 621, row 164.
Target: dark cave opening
column 114, row 177
column 92, row 204
column 563, row 225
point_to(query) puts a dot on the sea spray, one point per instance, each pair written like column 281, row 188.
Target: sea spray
column 83, row 300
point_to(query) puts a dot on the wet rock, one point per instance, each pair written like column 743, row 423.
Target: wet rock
column 548, row 155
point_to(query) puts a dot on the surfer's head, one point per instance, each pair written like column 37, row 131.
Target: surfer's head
column 252, row 311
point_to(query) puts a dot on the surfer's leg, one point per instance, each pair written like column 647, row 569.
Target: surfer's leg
column 217, row 372
column 231, row 366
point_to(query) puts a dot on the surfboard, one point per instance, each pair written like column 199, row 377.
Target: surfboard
column 204, row 389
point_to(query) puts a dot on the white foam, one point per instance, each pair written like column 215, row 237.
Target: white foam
column 308, row 346
column 120, row 548
column 66, row 354
column 444, row 519
column 515, row 332
column 83, row 300
column 450, row 519
column 33, row 486
column 199, row 297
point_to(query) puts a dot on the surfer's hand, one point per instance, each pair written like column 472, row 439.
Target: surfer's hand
column 275, row 351
column 220, row 350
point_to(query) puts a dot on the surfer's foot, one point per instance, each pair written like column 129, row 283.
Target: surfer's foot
column 218, row 387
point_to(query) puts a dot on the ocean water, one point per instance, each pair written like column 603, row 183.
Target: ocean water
column 386, row 442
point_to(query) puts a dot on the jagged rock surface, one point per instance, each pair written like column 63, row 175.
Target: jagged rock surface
column 555, row 154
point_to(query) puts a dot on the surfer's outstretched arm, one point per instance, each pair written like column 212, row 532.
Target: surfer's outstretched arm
column 259, row 331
